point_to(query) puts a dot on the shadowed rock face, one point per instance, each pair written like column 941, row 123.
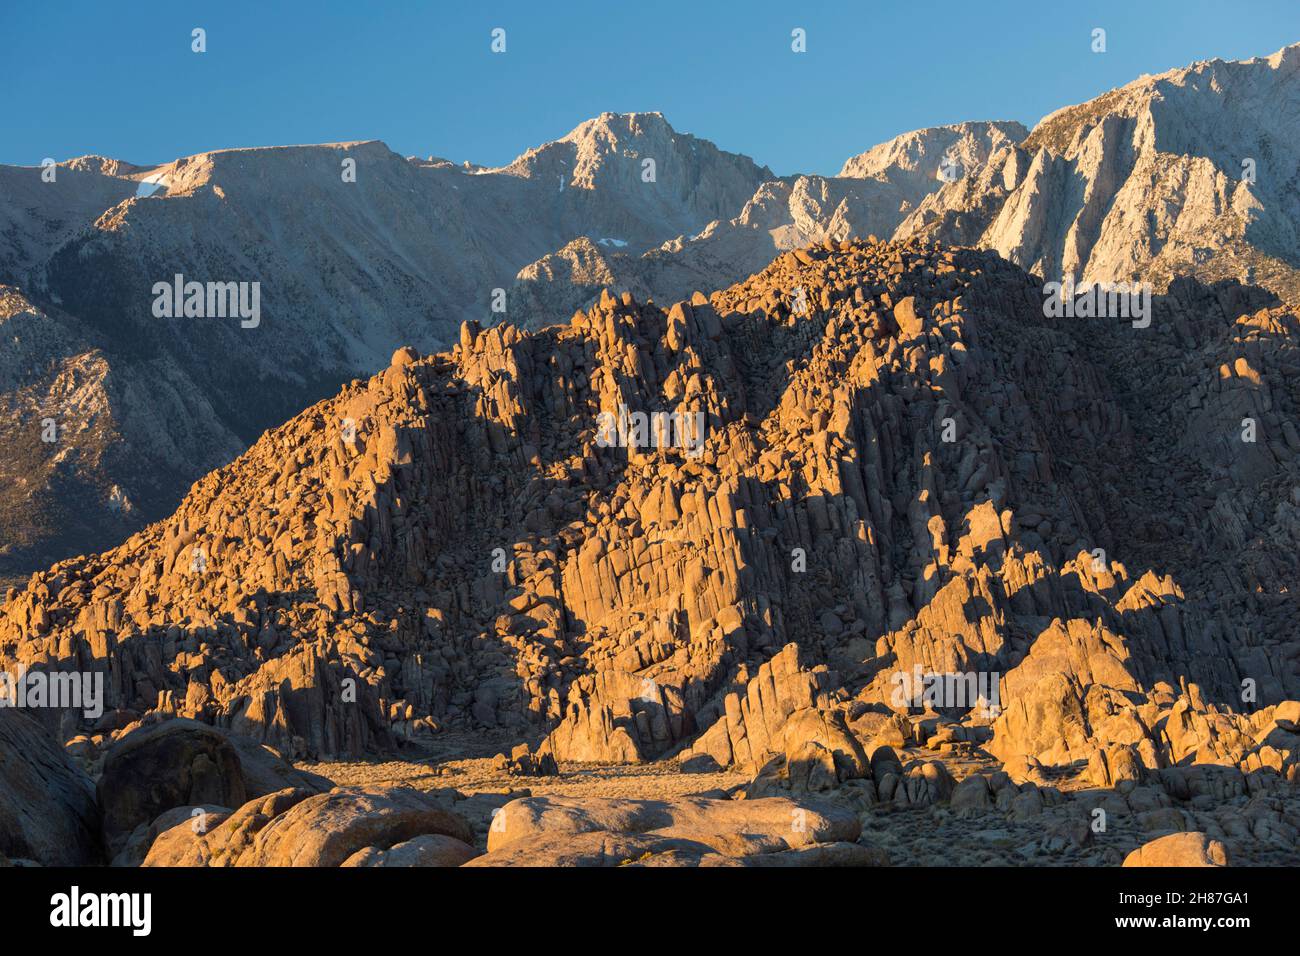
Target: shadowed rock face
column 48, row 813
column 181, row 763
column 903, row 467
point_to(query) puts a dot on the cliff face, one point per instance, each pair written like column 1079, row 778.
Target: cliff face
column 1191, row 172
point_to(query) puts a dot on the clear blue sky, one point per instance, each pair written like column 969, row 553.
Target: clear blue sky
column 119, row 79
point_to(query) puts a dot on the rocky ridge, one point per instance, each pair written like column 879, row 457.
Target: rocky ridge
column 872, row 195
column 1171, row 175
column 449, row 543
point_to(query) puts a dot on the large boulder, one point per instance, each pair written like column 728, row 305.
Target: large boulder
column 348, row 826
column 431, row 849
column 751, row 728
column 219, row 841
column 406, row 355
column 265, row 771
column 599, row 848
column 47, row 803
column 595, row 848
column 818, row 752
column 329, row 828
column 534, row 830
column 1179, row 849
column 142, row 839
column 1067, row 698
column 184, row 763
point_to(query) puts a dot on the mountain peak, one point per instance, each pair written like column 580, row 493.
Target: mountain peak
column 609, row 137
column 921, row 151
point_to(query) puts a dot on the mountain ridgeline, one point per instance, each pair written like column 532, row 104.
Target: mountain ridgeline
column 357, row 251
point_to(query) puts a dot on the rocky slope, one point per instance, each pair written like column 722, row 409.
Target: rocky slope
column 80, row 428
column 905, row 469
column 916, row 471
column 1192, row 172
column 38, row 215
column 356, row 251
column 928, row 572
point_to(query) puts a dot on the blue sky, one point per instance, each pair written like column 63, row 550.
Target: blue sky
column 120, row 79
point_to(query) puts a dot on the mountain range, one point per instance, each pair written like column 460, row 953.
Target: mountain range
column 631, row 454
column 358, row 251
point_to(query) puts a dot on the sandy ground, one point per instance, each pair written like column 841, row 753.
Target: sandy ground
column 468, row 764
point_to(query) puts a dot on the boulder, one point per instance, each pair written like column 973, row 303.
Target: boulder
column 266, row 771
column 972, row 795
column 329, row 828
column 818, row 753
column 1179, row 849
column 47, row 803
column 184, row 763
column 198, row 819
column 751, row 730
column 603, row 849
column 406, row 355
column 596, row 848
column 736, row 828
column 176, row 763
column 431, row 849
column 218, row 842
column 909, row 322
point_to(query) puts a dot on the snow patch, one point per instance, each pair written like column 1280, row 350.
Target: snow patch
column 150, row 185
